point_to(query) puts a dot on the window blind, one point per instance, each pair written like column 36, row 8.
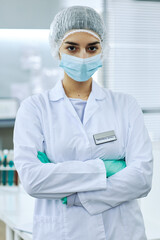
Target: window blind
column 133, row 62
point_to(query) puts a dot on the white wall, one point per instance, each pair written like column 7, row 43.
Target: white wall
column 28, row 14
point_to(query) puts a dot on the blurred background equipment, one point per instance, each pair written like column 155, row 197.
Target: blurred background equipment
column 8, row 173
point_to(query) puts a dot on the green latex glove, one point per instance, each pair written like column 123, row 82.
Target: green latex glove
column 44, row 159
column 64, row 200
column 113, row 165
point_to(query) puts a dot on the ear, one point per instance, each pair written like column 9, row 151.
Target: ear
column 59, row 55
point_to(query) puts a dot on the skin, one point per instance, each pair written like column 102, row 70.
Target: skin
column 82, row 45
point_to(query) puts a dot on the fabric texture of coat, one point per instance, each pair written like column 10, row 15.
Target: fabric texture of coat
column 109, row 210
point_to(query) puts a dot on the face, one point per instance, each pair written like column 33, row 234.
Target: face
column 80, row 44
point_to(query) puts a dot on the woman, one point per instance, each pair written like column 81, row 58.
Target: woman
column 82, row 133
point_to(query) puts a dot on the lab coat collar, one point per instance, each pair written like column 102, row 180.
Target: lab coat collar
column 58, row 92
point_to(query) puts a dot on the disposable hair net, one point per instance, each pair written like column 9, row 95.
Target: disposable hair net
column 75, row 18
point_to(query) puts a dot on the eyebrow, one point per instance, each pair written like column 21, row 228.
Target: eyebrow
column 76, row 44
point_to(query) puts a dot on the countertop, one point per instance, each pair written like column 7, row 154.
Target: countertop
column 16, row 209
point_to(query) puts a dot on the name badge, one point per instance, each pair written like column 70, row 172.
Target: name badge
column 104, row 137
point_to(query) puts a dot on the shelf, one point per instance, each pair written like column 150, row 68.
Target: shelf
column 6, row 123
column 7, row 168
column 7, row 187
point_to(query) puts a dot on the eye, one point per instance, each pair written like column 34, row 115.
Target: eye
column 92, row 48
column 71, row 48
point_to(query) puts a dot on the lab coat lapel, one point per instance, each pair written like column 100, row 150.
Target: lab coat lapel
column 92, row 106
column 97, row 94
column 57, row 93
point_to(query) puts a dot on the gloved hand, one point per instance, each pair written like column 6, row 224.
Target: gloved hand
column 44, row 159
column 113, row 165
column 64, row 200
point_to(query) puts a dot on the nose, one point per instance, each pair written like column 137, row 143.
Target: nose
column 83, row 53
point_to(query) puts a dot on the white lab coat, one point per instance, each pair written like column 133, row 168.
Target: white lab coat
column 48, row 122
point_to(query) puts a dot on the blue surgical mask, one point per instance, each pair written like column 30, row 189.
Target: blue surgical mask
column 80, row 69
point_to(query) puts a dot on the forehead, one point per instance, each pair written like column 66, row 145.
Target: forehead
column 81, row 38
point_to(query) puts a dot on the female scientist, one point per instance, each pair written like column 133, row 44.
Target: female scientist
column 81, row 150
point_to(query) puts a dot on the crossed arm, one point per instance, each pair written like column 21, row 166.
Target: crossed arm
column 112, row 166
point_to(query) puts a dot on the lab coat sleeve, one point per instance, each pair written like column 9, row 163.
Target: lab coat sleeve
column 135, row 180
column 49, row 180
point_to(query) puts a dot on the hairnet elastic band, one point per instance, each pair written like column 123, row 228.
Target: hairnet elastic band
column 80, row 30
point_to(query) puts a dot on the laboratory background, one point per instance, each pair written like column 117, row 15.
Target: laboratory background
column 132, row 65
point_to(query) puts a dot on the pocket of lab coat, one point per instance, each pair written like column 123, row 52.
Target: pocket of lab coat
column 46, row 227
